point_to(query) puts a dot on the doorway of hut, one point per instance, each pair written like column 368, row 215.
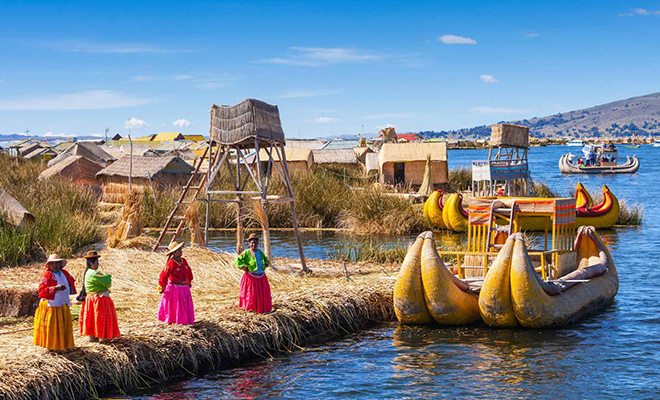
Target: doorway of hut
column 399, row 173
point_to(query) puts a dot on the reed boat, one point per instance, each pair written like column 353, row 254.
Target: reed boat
column 452, row 216
column 426, row 290
column 513, row 293
column 568, row 165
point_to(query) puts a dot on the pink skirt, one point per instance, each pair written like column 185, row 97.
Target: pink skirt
column 176, row 307
column 255, row 294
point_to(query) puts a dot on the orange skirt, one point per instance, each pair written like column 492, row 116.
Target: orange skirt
column 53, row 328
column 98, row 317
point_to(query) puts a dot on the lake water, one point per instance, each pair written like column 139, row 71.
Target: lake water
column 615, row 354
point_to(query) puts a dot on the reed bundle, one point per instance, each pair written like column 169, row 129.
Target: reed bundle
column 192, row 218
column 306, row 309
column 130, row 225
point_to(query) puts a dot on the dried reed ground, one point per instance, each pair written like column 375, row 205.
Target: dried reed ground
column 307, row 308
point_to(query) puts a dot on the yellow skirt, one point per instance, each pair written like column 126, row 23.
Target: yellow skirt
column 53, row 328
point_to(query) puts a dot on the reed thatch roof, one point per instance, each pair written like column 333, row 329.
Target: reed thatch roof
column 90, row 151
column 407, row 152
column 146, row 167
column 12, row 211
column 76, row 168
column 339, row 156
column 242, row 122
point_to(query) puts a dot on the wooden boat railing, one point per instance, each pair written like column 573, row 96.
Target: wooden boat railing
column 545, row 268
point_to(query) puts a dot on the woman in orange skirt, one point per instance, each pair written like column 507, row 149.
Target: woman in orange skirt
column 53, row 328
column 98, row 318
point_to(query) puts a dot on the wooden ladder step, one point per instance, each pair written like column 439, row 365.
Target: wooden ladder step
column 500, row 229
column 502, row 210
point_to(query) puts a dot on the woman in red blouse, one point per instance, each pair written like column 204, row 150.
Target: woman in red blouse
column 175, row 281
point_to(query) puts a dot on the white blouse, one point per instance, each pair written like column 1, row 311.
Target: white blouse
column 61, row 296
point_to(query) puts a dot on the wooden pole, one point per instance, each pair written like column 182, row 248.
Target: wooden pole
column 263, row 203
column 294, row 219
column 208, row 196
column 130, row 166
column 239, row 205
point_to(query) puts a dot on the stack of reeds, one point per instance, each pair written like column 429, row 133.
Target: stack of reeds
column 196, row 232
column 427, row 182
column 130, row 225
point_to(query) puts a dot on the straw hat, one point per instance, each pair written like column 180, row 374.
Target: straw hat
column 55, row 258
column 174, row 246
column 253, row 236
column 92, row 254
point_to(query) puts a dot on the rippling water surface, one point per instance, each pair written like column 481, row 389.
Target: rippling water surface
column 615, row 354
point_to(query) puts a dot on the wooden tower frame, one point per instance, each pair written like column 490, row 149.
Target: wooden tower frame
column 239, row 136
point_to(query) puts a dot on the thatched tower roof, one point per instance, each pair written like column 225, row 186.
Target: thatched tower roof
column 146, row 167
column 242, row 122
column 76, row 168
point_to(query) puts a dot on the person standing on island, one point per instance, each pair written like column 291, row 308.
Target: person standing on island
column 175, row 281
column 98, row 318
column 53, row 328
column 255, row 290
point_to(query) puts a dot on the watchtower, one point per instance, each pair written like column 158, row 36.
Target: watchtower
column 247, row 141
column 506, row 173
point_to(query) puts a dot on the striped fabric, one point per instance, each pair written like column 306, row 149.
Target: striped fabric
column 479, row 211
column 492, row 171
column 564, row 210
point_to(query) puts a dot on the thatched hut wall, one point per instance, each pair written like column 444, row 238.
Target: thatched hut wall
column 115, row 188
column 414, row 172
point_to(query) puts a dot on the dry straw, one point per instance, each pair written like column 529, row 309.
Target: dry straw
column 306, row 309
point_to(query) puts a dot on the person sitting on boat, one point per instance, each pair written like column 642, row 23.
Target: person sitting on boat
column 174, row 283
column 255, row 289
column 98, row 318
column 53, row 328
column 580, row 162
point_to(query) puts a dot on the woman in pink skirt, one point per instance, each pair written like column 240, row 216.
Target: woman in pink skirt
column 176, row 307
column 255, row 290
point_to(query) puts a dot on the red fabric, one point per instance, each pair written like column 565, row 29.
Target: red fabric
column 179, row 274
column 98, row 318
column 255, row 294
column 48, row 282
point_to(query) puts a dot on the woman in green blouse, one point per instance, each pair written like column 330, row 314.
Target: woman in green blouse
column 255, row 290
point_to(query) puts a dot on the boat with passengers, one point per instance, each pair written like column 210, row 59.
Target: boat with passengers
column 597, row 159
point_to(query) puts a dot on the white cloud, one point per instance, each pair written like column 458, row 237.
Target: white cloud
column 182, row 77
column 89, row 100
column 83, row 46
column 318, row 56
column 379, row 127
column 531, row 34
column 640, row 11
column 182, row 123
column 323, row 120
column 453, row 39
column 387, row 115
column 48, row 134
column 496, row 110
column 297, row 93
column 135, row 123
column 488, row 78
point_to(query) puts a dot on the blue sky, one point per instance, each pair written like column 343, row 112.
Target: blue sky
column 75, row 68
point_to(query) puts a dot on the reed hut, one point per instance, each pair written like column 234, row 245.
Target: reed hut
column 88, row 150
column 75, row 168
column 298, row 160
column 405, row 163
column 361, row 154
column 148, row 174
column 336, row 156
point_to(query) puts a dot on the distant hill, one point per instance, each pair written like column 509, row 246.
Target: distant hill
column 635, row 116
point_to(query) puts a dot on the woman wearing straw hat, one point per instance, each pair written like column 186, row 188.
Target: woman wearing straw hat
column 53, row 328
column 176, row 307
column 98, row 318
column 255, row 290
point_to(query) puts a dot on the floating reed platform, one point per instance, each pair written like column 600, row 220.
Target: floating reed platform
column 306, row 309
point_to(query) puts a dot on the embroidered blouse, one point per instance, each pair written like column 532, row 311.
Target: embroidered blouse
column 176, row 273
column 48, row 282
column 256, row 263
